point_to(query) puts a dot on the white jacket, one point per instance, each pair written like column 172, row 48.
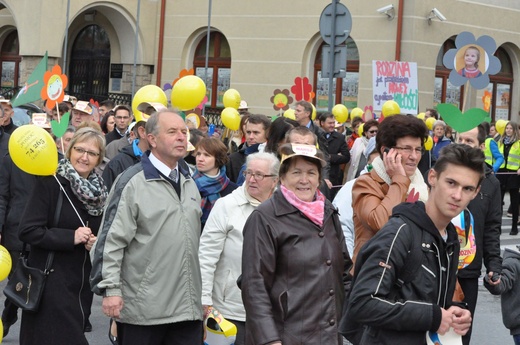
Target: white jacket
column 220, row 254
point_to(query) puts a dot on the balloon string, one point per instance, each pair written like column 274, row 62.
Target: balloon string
column 59, row 121
column 61, row 187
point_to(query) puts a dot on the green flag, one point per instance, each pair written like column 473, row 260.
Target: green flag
column 31, row 91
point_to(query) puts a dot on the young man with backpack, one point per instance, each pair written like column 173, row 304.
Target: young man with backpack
column 397, row 300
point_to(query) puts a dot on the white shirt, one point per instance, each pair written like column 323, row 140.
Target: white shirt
column 163, row 168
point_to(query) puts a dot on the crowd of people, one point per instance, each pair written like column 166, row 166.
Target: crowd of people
column 295, row 232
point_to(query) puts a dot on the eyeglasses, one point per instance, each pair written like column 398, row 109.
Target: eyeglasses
column 409, row 150
column 121, row 117
column 373, row 131
column 256, row 176
column 83, row 151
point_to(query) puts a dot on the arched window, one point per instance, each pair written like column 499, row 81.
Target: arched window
column 9, row 55
column 219, row 67
column 499, row 87
column 90, row 64
column 344, row 89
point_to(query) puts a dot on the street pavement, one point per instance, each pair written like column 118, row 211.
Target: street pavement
column 488, row 327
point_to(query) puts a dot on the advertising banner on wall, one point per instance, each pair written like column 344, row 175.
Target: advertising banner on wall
column 395, row 80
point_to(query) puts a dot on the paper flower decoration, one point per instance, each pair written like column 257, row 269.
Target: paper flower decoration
column 54, row 85
column 281, row 99
column 182, row 73
column 486, row 100
column 472, row 60
column 302, row 90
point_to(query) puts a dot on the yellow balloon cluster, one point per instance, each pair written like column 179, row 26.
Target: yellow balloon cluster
column 500, row 126
column 33, row 150
column 360, row 129
column 421, row 116
column 188, row 92
column 429, row 122
column 390, row 108
column 289, row 113
column 231, row 99
column 5, row 263
column 230, row 118
column 148, row 93
column 356, row 112
column 340, row 112
column 428, row 143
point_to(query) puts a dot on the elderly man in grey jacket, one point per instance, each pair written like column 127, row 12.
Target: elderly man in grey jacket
column 145, row 262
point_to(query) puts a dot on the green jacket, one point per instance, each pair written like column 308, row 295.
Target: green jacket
column 147, row 247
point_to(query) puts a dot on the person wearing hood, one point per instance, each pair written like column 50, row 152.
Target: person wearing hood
column 393, row 179
column 128, row 156
column 406, row 312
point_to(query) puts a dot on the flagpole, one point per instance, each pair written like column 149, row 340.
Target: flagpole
column 134, row 74
column 65, row 67
column 208, row 33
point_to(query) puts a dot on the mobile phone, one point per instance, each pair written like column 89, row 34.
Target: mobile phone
column 387, row 150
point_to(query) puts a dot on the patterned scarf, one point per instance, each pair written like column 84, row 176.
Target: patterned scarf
column 508, row 140
column 314, row 210
column 210, row 189
column 91, row 192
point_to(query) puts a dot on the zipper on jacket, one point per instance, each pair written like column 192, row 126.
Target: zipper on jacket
column 440, row 273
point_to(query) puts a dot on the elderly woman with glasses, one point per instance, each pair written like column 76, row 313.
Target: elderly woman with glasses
column 394, row 177
column 220, row 250
column 69, row 233
column 357, row 159
column 295, row 261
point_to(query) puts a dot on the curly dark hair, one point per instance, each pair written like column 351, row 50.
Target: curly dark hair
column 395, row 127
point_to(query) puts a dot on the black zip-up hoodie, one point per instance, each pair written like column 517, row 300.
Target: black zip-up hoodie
column 403, row 315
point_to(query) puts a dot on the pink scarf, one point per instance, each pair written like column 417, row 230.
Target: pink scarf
column 314, row 210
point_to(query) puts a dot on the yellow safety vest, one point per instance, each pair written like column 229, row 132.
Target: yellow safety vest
column 512, row 161
column 487, row 152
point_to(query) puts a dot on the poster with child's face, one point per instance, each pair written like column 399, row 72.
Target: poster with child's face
column 471, row 61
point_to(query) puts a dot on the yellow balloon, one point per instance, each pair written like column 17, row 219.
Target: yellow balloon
column 429, row 122
column 360, row 129
column 421, row 116
column 148, row 93
column 5, row 263
column 230, row 118
column 289, row 113
column 500, row 126
column 428, row 143
column 1, row 331
column 313, row 115
column 356, row 112
column 231, row 99
column 33, row 150
column 340, row 112
column 390, row 108
column 188, row 92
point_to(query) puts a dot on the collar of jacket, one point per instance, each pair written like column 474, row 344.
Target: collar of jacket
column 150, row 173
column 283, row 207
